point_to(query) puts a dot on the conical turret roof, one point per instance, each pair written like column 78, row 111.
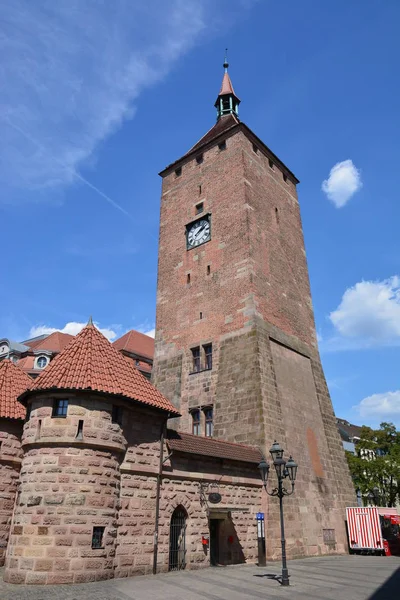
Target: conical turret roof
column 13, row 382
column 90, row 362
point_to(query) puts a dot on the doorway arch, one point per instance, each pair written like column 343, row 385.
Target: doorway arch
column 177, row 540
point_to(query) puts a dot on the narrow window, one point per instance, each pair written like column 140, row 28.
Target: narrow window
column 199, row 208
column 1, row 443
column 199, row 159
column 208, row 269
column 201, row 315
column 208, row 356
column 255, row 149
column 116, row 415
column 97, row 537
column 271, row 164
column 222, row 145
column 284, row 177
column 178, row 172
column 28, row 411
column 60, row 408
column 196, row 359
column 137, row 363
column 39, row 428
column 79, row 433
column 188, row 278
column 208, row 412
column 196, row 422
column 277, row 215
column 200, row 189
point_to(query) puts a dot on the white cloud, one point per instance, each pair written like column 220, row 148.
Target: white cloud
column 71, row 72
column 369, row 313
column 380, row 407
column 150, row 333
column 73, row 328
column 344, row 180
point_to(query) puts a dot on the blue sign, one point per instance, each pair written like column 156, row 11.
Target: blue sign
column 260, row 516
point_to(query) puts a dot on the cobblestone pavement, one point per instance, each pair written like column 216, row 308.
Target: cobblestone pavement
column 327, row 578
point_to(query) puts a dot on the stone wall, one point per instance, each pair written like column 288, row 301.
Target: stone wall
column 10, row 464
column 68, row 485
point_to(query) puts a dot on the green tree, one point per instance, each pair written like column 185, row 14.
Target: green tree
column 377, row 463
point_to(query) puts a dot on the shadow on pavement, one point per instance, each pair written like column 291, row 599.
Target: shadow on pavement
column 390, row 590
column 274, row 576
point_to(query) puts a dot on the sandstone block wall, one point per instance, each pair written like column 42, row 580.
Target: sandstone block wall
column 10, row 463
column 68, row 485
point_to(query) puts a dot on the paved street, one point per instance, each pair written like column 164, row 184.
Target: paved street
column 335, row 578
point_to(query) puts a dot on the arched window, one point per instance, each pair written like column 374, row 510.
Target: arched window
column 177, row 540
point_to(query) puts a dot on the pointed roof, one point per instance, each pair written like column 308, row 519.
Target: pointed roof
column 13, row 382
column 226, row 86
column 136, row 343
column 90, row 362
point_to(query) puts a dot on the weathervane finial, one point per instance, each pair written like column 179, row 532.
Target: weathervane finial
column 226, row 64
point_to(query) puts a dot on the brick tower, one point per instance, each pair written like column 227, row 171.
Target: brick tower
column 236, row 348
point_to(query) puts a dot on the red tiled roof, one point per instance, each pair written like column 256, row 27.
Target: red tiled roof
column 206, row 446
column 13, row 382
column 226, row 86
column 90, row 362
column 223, row 125
column 55, row 341
column 26, row 363
column 136, row 342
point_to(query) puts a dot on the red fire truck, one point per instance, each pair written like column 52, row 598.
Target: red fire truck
column 374, row 530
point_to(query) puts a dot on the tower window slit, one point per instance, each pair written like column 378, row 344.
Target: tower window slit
column 222, row 145
column 277, row 215
column 255, row 149
column 201, row 315
column 188, row 278
column 284, row 177
column 208, row 269
column 199, row 207
column 79, row 433
column 97, row 537
column 271, row 164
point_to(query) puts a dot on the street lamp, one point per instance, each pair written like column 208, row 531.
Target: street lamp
column 374, row 496
column 283, row 469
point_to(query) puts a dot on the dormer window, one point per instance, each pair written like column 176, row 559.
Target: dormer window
column 41, row 362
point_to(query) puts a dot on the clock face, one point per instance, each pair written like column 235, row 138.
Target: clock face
column 198, row 233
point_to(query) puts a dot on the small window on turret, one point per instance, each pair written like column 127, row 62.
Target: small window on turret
column 60, row 408
column 199, row 159
column 222, row 145
column 255, row 149
column 178, row 171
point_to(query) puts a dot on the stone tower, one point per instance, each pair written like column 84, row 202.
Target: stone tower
column 235, row 332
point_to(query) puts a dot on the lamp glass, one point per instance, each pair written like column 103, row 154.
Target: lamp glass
column 291, row 467
column 276, row 451
column 264, row 470
column 279, row 464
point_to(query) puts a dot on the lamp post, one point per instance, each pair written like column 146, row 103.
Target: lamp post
column 374, row 496
column 283, row 469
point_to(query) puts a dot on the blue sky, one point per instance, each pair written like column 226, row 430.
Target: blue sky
column 96, row 98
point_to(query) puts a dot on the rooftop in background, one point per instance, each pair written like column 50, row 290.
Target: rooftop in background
column 347, row 431
column 91, row 362
column 207, row 446
column 54, row 341
column 13, row 382
column 134, row 342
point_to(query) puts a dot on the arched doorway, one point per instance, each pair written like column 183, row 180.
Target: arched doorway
column 177, row 540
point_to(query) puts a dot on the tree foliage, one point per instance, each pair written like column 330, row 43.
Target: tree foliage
column 377, row 463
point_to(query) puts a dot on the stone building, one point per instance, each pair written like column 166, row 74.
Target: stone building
column 86, row 504
column 236, row 349
column 118, row 476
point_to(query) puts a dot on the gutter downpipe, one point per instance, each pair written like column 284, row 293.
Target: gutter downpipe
column 158, row 489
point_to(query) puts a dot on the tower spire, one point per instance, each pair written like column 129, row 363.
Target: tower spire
column 227, row 101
